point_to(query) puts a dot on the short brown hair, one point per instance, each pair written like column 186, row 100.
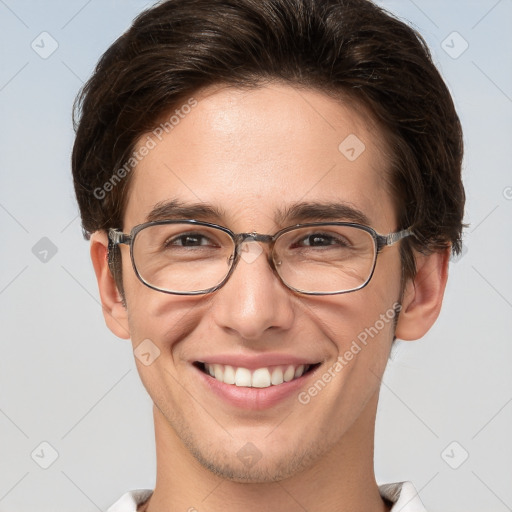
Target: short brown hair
column 349, row 48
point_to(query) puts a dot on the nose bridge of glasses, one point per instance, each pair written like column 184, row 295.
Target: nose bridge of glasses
column 254, row 237
column 249, row 255
column 241, row 239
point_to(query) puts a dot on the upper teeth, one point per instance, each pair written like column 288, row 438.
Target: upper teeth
column 260, row 378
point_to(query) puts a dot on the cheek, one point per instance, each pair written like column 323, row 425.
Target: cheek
column 164, row 318
column 361, row 324
column 170, row 322
column 162, row 326
column 353, row 316
column 379, row 305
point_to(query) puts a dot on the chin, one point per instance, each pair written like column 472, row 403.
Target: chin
column 250, row 465
column 268, row 472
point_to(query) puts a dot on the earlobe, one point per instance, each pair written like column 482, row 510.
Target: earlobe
column 423, row 295
column 114, row 311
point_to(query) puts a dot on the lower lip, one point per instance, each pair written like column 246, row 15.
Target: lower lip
column 254, row 398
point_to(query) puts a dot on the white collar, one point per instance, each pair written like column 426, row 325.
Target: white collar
column 403, row 495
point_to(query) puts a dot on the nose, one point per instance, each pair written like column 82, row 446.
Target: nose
column 253, row 301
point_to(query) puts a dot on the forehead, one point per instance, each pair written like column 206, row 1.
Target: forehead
column 253, row 154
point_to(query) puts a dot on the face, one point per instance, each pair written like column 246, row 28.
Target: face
column 251, row 156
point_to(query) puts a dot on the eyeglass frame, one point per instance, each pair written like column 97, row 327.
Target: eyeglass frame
column 117, row 237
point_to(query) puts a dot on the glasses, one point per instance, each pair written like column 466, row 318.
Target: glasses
column 191, row 257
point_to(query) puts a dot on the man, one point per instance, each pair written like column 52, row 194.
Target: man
column 272, row 191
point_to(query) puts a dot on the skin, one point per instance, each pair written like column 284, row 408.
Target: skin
column 252, row 153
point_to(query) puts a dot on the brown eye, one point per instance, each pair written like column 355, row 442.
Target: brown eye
column 320, row 240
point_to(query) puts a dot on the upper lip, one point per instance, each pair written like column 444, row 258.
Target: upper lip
column 253, row 362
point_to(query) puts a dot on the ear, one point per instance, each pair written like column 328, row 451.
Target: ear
column 423, row 295
column 114, row 311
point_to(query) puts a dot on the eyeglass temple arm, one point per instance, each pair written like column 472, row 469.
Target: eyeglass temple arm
column 118, row 237
column 393, row 238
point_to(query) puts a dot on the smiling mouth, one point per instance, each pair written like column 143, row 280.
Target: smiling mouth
column 260, row 378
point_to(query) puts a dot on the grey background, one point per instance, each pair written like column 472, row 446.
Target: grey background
column 67, row 381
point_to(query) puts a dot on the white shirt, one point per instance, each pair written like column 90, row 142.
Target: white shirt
column 403, row 495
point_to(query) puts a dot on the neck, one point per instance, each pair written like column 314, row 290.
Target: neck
column 340, row 480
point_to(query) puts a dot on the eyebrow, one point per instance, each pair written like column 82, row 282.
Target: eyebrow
column 319, row 211
column 176, row 209
column 296, row 213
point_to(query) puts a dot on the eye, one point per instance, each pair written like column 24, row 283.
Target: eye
column 321, row 240
column 190, row 240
